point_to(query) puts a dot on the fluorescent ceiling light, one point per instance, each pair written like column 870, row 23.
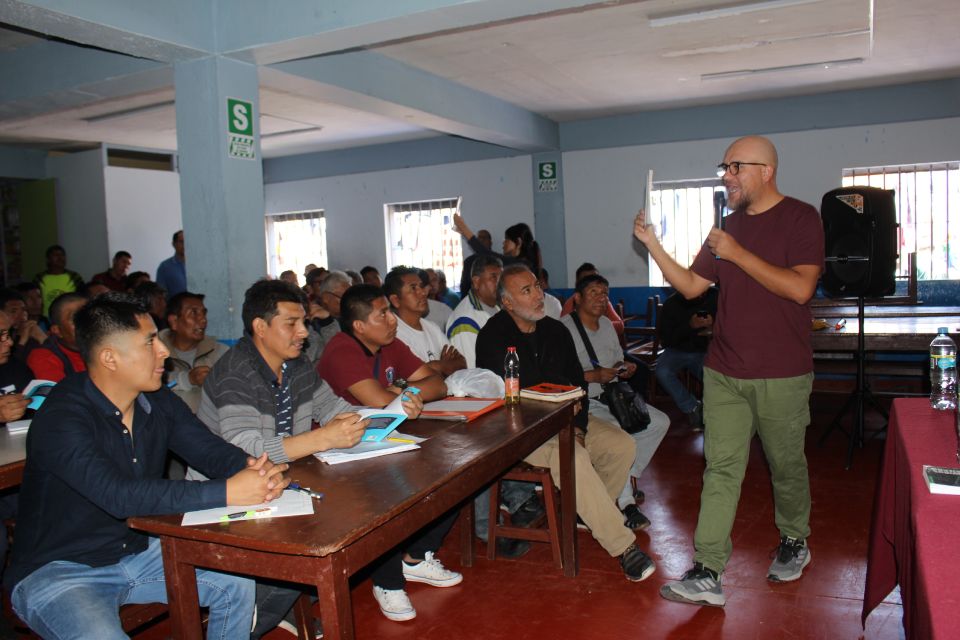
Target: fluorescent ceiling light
column 291, row 132
column 724, row 11
column 741, row 46
column 124, row 113
column 742, row 73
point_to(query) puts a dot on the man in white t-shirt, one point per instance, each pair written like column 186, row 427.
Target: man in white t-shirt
column 408, row 297
column 591, row 299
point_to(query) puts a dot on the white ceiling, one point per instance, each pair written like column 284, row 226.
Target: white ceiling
column 604, row 61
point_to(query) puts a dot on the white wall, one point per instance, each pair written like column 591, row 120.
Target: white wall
column 80, row 209
column 142, row 214
column 604, row 188
column 496, row 194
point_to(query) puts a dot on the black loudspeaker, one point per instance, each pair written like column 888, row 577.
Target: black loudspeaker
column 860, row 232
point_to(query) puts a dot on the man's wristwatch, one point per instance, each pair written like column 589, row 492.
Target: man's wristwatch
column 400, row 383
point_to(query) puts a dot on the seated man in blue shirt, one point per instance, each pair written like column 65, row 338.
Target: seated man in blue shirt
column 74, row 559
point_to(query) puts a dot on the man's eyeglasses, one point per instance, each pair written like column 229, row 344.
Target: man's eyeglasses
column 734, row 167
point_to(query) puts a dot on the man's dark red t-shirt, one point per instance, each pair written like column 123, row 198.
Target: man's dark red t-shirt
column 758, row 334
column 345, row 362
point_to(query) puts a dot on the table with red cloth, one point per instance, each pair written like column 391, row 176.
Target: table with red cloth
column 914, row 533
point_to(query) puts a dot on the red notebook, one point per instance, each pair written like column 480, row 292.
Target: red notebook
column 549, row 392
column 469, row 410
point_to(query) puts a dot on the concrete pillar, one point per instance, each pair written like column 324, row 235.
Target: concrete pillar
column 221, row 184
column 548, row 215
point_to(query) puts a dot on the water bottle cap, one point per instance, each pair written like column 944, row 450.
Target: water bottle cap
column 942, row 330
column 514, row 349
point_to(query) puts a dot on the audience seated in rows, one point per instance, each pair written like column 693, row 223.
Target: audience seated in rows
column 59, row 355
column 685, row 328
column 591, row 299
column 57, row 279
column 172, row 272
column 603, row 453
column 476, row 308
column 94, row 458
column 115, row 277
column 587, row 269
column 192, row 352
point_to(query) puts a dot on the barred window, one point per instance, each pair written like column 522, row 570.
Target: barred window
column 294, row 240
column 928, row 212
column 683, row 212
column 421, row 234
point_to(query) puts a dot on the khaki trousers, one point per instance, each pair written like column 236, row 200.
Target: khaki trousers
column 601, row 470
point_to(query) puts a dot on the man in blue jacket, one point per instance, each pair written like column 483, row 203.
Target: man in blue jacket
column 95, row 457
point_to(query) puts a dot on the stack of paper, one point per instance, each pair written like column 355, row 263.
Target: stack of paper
column 397, row 443
column 551, row 392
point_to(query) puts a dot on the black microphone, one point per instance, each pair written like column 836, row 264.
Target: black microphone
column 719, row 203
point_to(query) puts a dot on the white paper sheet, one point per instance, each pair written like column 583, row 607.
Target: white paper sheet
column 291, row 503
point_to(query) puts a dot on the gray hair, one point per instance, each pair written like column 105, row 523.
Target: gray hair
column 509, row 270
column 333, row 281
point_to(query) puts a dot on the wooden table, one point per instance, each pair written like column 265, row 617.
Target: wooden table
column 369, row 506
column 912, row 333
column 913, row 532
column 13, row 456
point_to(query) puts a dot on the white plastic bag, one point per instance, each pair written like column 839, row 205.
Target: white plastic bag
column 475, row 383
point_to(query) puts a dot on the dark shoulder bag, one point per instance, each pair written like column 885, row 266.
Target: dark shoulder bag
column 626, row 405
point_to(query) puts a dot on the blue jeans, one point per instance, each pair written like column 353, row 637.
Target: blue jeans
column 512, row 494
column 669, row 365
column 64, row 599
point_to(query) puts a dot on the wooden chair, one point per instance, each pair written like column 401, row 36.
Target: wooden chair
column 549, row 533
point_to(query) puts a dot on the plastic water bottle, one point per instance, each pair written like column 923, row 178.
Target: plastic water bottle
column 943, row 372
column 511, row 377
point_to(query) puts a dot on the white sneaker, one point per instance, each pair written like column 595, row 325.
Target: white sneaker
column 431, row 571
column 394, row 604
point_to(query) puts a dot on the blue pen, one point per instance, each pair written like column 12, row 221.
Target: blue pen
column 313, row 494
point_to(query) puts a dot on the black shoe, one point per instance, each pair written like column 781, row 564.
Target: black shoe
column 635, row 518
column 695, row 417
column 528, row 513
column 636, row 564
column 511, row 549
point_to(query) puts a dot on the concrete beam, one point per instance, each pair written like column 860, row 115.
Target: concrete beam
column 50, row 76
column 167, row 31
column 271, row 32
column 374, row 83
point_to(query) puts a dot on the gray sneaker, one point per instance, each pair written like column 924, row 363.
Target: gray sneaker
column 697, row 586
column 791, row 556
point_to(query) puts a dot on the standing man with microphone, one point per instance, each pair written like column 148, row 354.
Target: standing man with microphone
column 759, row 367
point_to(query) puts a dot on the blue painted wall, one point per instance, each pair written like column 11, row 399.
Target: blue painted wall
column 22, row 163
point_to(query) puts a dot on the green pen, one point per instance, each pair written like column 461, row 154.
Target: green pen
column 255, row 513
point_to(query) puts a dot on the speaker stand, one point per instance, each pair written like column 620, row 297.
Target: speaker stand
column 858, row 401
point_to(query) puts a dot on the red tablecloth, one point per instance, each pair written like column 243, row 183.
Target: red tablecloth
column 915, row 535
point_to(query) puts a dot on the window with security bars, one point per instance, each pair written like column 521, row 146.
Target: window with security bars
column 683, row 212
column 421, row 234
column 928, row 212
column 294, row 240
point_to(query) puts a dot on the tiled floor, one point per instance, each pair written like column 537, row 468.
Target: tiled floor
column 528, row 599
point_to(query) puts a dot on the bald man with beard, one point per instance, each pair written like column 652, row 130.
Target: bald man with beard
column 759, row 366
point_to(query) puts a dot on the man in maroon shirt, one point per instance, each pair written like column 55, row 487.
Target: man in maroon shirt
column 759, row 366
column 115, row 278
